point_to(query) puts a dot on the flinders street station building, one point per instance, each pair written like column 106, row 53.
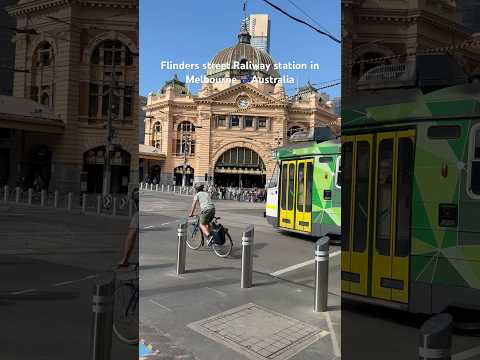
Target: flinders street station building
column 226, row 132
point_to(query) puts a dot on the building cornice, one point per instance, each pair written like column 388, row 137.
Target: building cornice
column 40, row 5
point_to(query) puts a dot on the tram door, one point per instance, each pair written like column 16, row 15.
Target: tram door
column 296, row 195
column 287, row 195
column 375, row 255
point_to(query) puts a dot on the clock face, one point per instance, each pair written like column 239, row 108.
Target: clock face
column 243, row 102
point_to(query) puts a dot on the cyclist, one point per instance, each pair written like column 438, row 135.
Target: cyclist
column 207, row 211
column 132, row 236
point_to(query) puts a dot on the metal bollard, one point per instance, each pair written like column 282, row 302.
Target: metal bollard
column 436, row 338
column 247, row 257
column 99, row 204
column 30, row 193
column 5, row 193
column 84, row 203
column 55, row 199
column 162, row 187
column 69, row 201
column 321, row 273
column 102, row 325
column 114, row 210
column 181, row 247
column 168, row 188
column 156, row 187
column 174, row 188
column 42, row 198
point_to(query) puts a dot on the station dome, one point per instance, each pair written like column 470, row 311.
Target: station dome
column 243, row 52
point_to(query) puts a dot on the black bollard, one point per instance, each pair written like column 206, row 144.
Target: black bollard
column 102, row 325
column 436, row 338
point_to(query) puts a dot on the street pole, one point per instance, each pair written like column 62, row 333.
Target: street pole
column 107, row 170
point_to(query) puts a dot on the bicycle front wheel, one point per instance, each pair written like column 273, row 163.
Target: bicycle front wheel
column 194, row 240
column 125, row 317
column 225, row 249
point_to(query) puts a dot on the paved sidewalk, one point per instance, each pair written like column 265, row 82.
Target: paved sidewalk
column 205, row 315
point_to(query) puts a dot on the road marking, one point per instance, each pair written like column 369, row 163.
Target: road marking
column 160, row 305
column 64, row 283
column 298, row 266
column 468, row 354
column 217, row 291
column 333, row 336
column 23, row 292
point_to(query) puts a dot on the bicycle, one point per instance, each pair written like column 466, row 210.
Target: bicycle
column 125, row 317
column 197, row 239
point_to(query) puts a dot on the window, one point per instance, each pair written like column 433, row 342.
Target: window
column 248, row 121
column 444, row 132
column 293, row 130
column 291, row 186
column 34, row 93
column 157, row 127
column 185, row 142
column 347, row 157
column 301, row 186
column 45, row 99
column 338, row 173
column 235, row 121
column 361, row 196
column 93, row 101
column 474, row 155
column 308, row 194
column 44, row 54
column 158, row 144
column 404, row 196
column 284, row 186
column 384, row 194
column 221, row 121
column 262, row 122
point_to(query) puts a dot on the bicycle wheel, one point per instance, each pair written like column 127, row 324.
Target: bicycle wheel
column 194, row 240
column 225, row 249
column 125, row 317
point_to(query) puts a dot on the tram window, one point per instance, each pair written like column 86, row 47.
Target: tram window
column 291, row 186
column 404, row 196
column 475, row 175
column 444, row 132
column 301, row 186
column 347, row 157
column 308, row 195
column 274, row 180
column 361, row 194
column 384, row 196
column 284, row 186
column 338, row 173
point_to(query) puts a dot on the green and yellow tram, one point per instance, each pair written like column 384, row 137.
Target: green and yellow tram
column 304, row 194
column 411, row 199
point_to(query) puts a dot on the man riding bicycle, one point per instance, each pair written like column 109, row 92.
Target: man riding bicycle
column 207, row 211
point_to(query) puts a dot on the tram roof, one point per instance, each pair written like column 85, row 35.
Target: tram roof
column 411, row 105
column 308, row 148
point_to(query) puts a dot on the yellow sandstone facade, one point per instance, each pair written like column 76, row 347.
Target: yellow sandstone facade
column 226, row 132
column 74, row 55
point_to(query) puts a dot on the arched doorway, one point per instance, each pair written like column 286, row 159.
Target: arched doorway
column 93, row 166
column 189, row 174
column 240, row 167
column 39, row 169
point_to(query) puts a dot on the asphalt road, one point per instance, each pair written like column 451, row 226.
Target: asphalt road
column 169, row 302
column 49, row 261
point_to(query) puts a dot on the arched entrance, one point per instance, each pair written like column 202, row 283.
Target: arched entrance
column 38, row 170
column 93, row 166
column 189, row 174
column 240, row 167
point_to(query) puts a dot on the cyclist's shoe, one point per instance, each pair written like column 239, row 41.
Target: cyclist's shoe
column 210, row 240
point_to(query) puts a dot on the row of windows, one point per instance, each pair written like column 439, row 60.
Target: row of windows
column 236, row 121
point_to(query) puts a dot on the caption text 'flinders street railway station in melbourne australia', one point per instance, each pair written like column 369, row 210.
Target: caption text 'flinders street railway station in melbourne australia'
column 228, row 130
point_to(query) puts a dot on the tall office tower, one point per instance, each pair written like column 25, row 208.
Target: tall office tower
column 259, row 28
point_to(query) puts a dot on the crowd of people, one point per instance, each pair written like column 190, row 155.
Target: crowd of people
column 237, row 193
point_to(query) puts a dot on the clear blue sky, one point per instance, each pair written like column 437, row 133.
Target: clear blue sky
column 195, row 30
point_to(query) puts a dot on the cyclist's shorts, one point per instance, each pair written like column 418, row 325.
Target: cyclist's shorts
column 206, row 216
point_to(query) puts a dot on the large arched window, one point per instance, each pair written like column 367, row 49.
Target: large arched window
column 42, row 74
column 185, row 138
column 157, row 135
column 111, row 89
column 293, row 130
column 241, row 157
